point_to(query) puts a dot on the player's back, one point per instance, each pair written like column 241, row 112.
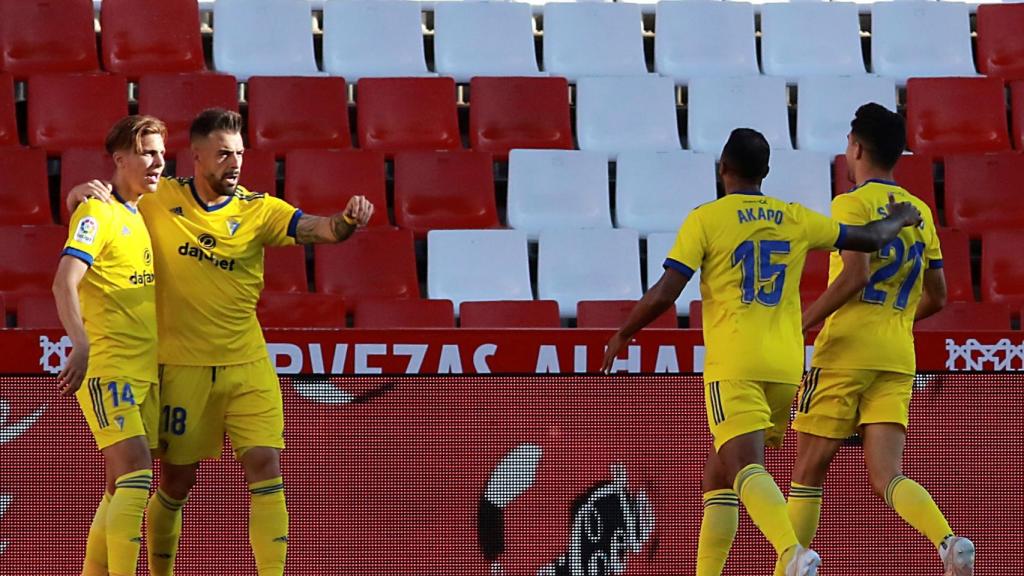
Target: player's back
column 751, row 250
column 874, row 329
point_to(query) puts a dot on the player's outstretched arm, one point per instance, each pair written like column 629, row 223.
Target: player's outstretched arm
column 70, row 272
column 330, row 229
column 873, row 236
column 933, row 296
column 654, row 303
column 853, row 279
column 97, row 189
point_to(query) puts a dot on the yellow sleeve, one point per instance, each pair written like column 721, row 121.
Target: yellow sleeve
column 687, row 253
column 280, row 220
column 89, row 231
column 933, row 251
column 821, row 232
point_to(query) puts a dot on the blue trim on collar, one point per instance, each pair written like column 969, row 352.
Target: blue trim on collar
column 749, row 192
column 874, row 181
column 203, row 205
column 117, row 196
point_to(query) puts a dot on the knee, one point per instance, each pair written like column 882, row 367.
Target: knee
column 261, row 464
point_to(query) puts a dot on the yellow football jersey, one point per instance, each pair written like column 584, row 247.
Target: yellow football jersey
column 751, row 249
column 118, row 293
column 874, row 330
column 211, row 258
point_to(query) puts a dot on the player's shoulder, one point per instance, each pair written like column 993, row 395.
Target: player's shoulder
column 95, row 210
column 245, row 195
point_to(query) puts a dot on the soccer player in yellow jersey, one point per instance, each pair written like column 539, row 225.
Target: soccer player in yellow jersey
column 106, row 298
column 216, row 377
column 751, row 250
column 863, row 366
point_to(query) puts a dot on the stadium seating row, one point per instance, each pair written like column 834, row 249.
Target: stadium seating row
column 613, row 114
column 547, row 189
column 368, row 38
column 493, row 265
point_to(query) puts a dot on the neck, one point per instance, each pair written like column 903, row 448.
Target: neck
column 206, row 193
column 871, row 173
column 130, row 194
column 734, row 187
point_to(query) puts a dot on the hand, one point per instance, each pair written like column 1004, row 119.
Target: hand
column 70, row 378
column 97, row 189
column 904, row 212
column 615, row 345
column 359, row 209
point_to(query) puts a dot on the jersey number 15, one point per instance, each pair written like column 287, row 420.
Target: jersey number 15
column 755, row 262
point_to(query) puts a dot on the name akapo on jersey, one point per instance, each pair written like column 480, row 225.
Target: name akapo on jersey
column 204, row 252
column 754, row 214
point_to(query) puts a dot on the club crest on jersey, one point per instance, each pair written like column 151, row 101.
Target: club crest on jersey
column 177, row 211
column 233, row 226
column 86, row 231
column 126, row 231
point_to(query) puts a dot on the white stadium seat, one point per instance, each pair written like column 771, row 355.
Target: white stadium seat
column 826, row 105
column 658, row 246
column 801, row 176
column 556, row 189
column 655, row 190
column 593, row 39
column 719, row 105
column 477, row 265
column 589, row 264
column 811, row 39
column 241, row 45
column 621, row 113
column 373, row 39
column 920, row 39
column 697, row 39
column 484, row 39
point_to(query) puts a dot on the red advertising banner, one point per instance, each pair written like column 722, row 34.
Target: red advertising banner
column 470, row 351
column 517, row 475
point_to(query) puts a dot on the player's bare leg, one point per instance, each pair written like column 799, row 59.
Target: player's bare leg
column 883, row 454
column 116, row 531
column 268, row 515
column 163, row 529
column 814, row 454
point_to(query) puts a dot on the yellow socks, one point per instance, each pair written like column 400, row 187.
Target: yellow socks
column 124, row 521
column 717, row 531
column 804, row 507
column 766, row 507
column 268, row 526
column 915, row 505
column 96, row 546
column 163, row 531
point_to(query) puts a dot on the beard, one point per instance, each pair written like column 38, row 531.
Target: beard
column 220, row 185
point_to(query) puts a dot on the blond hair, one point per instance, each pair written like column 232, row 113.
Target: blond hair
column 128, row 132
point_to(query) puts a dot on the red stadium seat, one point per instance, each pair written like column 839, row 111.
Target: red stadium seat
column 291, row 112
column 259, row 170
column 956, row 115
column 292, row 310
column 284, row 269
column 322, row 181
column 1000, row 44
column 815, row 278
column 985, row 192
column 146, row 37
column 373, row 263
column 38, row 311
column 396, row 114
column 510, row 314
column 613, row 313
column 1017, row 113
column 444, row 190
column 74, row 110
column 914, row 172
column 30, row 266
column 1002, row 276
column 46, row 36
column 8, row 117
column 24, row 192
column 178, row 98
column 79, row 165
column 956, row 260
column 507, row 113
column 405, row 313
column 968, row 316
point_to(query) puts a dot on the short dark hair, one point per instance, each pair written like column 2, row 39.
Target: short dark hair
column 881, row 132
column 128, row 132
column 746, row 154
column 215, row 120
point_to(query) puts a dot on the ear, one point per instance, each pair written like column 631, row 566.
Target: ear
column 119, row 159
column 860, row 151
